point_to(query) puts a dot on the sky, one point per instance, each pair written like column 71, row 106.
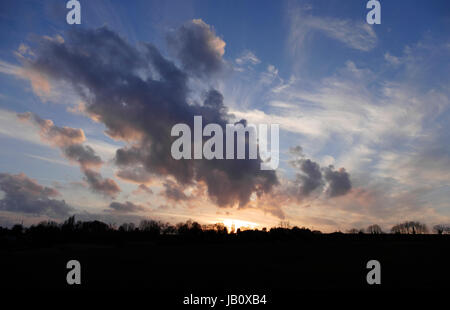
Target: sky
column 86, row 111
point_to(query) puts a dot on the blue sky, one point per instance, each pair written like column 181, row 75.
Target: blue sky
column 372, row 99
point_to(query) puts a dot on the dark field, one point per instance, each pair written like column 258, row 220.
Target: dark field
column 276, row 265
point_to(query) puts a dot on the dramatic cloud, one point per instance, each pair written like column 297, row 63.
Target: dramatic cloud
column 57, row 136
column 197, row 47
column 25, row 195
column 338, row 181
column 84, row 155
column 69, row 141
column 139, row 95
column 310, row 176
column 174, row 191
column 98, row 184
column 127, row 207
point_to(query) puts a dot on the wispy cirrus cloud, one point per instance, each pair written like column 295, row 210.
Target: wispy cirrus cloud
column 387, row 126
column 247, row 57
column 354, row 34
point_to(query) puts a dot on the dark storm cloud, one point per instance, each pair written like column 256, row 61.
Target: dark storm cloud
column 98, row 184
column 139, row 95
column 197, row 47
column 22, row 194
column 310, row 176
column 82, row 154
column 338, row 181
column 69, row 142
column 126, row 207
column 174, row 191
column 308, row 173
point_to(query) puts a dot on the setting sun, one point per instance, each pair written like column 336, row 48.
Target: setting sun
column 233, row 225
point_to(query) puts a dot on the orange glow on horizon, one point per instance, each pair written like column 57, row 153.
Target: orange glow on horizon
column 234, row 225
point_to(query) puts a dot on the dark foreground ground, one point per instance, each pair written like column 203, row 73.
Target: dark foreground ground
column 282, row 268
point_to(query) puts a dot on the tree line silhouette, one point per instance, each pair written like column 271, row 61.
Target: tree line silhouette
column 72, row 230
column 408, row 227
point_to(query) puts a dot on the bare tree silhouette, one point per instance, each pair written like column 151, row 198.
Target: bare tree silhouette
column 442, row 229
column 410, row 228
column 374, row 229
